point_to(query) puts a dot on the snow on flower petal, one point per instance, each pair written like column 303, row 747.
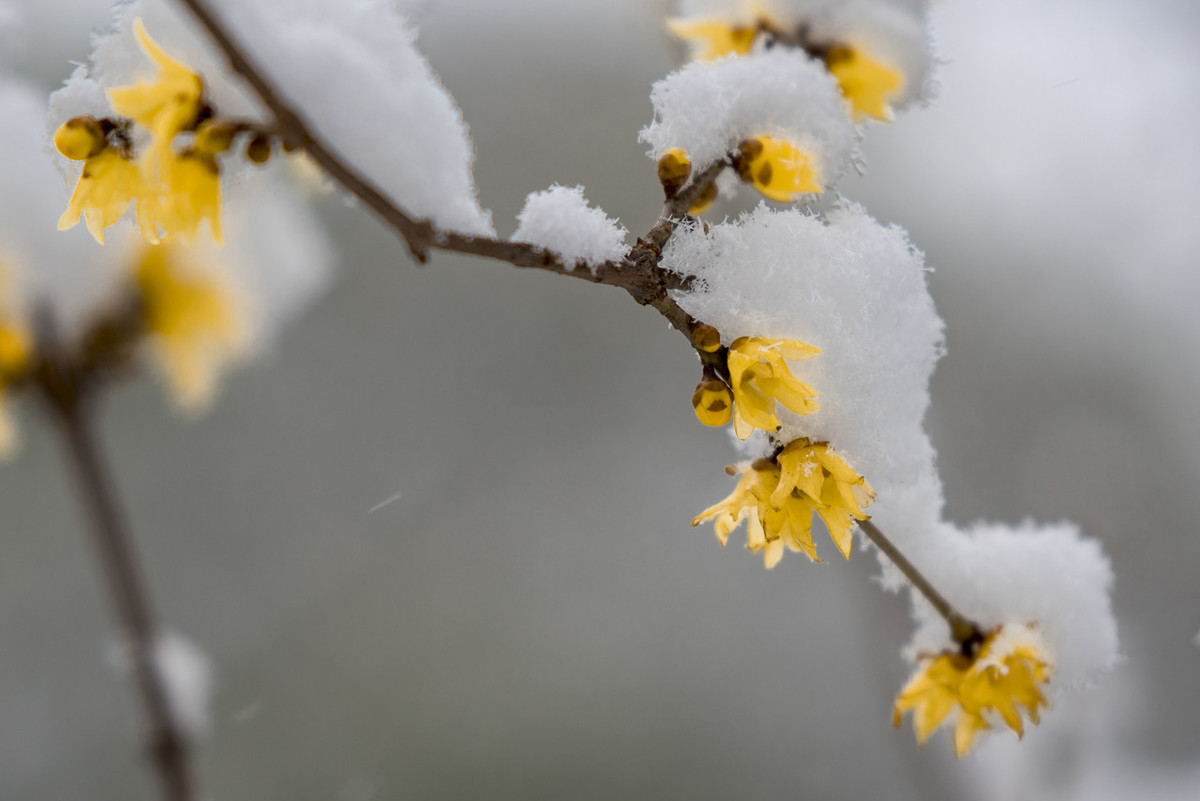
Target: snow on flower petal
column 759, row 377
column 1003, row 682
column 709, row 108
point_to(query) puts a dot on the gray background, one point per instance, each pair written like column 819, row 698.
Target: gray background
column 533, row 617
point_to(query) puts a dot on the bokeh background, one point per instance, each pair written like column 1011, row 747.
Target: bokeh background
column 531, row 616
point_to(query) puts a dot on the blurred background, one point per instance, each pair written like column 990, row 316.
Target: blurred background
column 437, row 544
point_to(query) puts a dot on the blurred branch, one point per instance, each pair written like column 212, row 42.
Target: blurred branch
column 66, row 389
column 638, row 274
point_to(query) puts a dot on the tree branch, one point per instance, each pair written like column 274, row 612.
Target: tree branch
column 65, row 387
column 638, row 274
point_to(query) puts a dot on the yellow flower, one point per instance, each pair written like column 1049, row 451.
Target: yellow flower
column 777, row 168
column 175, row 192
column 191, row 193
column 759, row 377
column 167, row 106
column 713, row 37
column 712, row 401
column 108, row 184
column 778, row 496
column 1007, row 674
column 868, row 85
column 193, row 319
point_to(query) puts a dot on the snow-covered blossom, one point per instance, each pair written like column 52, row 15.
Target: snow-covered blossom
column 708, row 109
column 560, row 220
column 340, row 62
column 194, row 309
column 878, row 50
column 759, row 378
column 1004, row 678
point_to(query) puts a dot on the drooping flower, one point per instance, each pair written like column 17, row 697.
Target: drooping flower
column 193, row 319
column 166, row 106
column 778, row 496
column 713, row 37
column 1007, row 675
column 777, row 168
column 869, row 86
column 175, row 191
column 759, row 377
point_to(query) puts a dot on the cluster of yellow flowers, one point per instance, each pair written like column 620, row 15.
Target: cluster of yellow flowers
column 192, row 318
column 780, row 169
column 779, row 495
column 1008, row 673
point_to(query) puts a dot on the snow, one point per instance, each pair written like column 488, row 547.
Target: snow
column 707, row 108
column 338, row 64
column 560, row 220
column 857, row 290
column 894, row 32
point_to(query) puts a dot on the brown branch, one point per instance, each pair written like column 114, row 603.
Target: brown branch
column 967, row 633
column 65, row 389
column 638, row 274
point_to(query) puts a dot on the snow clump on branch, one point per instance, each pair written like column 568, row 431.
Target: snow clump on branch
column 560, row 220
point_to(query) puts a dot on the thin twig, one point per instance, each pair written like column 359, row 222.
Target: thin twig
column 967, row 633
column 65, row 393
column 639, row 273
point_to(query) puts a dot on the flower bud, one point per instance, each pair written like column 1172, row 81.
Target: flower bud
column 80, row 138
column 712, row 401
column 216, row 136
column 706, row 338
column 258, row 150
column 674, row 168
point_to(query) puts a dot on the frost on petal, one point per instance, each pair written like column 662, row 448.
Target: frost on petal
column 560, row 220
column 708, row 108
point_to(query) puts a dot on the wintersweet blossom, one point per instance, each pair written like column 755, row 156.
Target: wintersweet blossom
column 777, row 168
column 193, row 319
column 713, row 37
column 778, row 496
column 759, row 377
column 870, row 86
column 175, row 191
column 1006, row 675
column 712, row 401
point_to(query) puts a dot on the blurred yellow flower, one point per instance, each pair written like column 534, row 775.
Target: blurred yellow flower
column 777, row 168
column 1007, row 674
column 759, row 376
column 193, row 319
column 14, row 358
column 867, row 84
column 713, row 37
column 778, row 496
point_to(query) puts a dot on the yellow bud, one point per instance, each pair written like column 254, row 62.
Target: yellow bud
column 80, row 138
column 674, row 168
column 258, row 150
column 705, row 200
column 706, row 338
column 713, row 402
column 216, row 137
